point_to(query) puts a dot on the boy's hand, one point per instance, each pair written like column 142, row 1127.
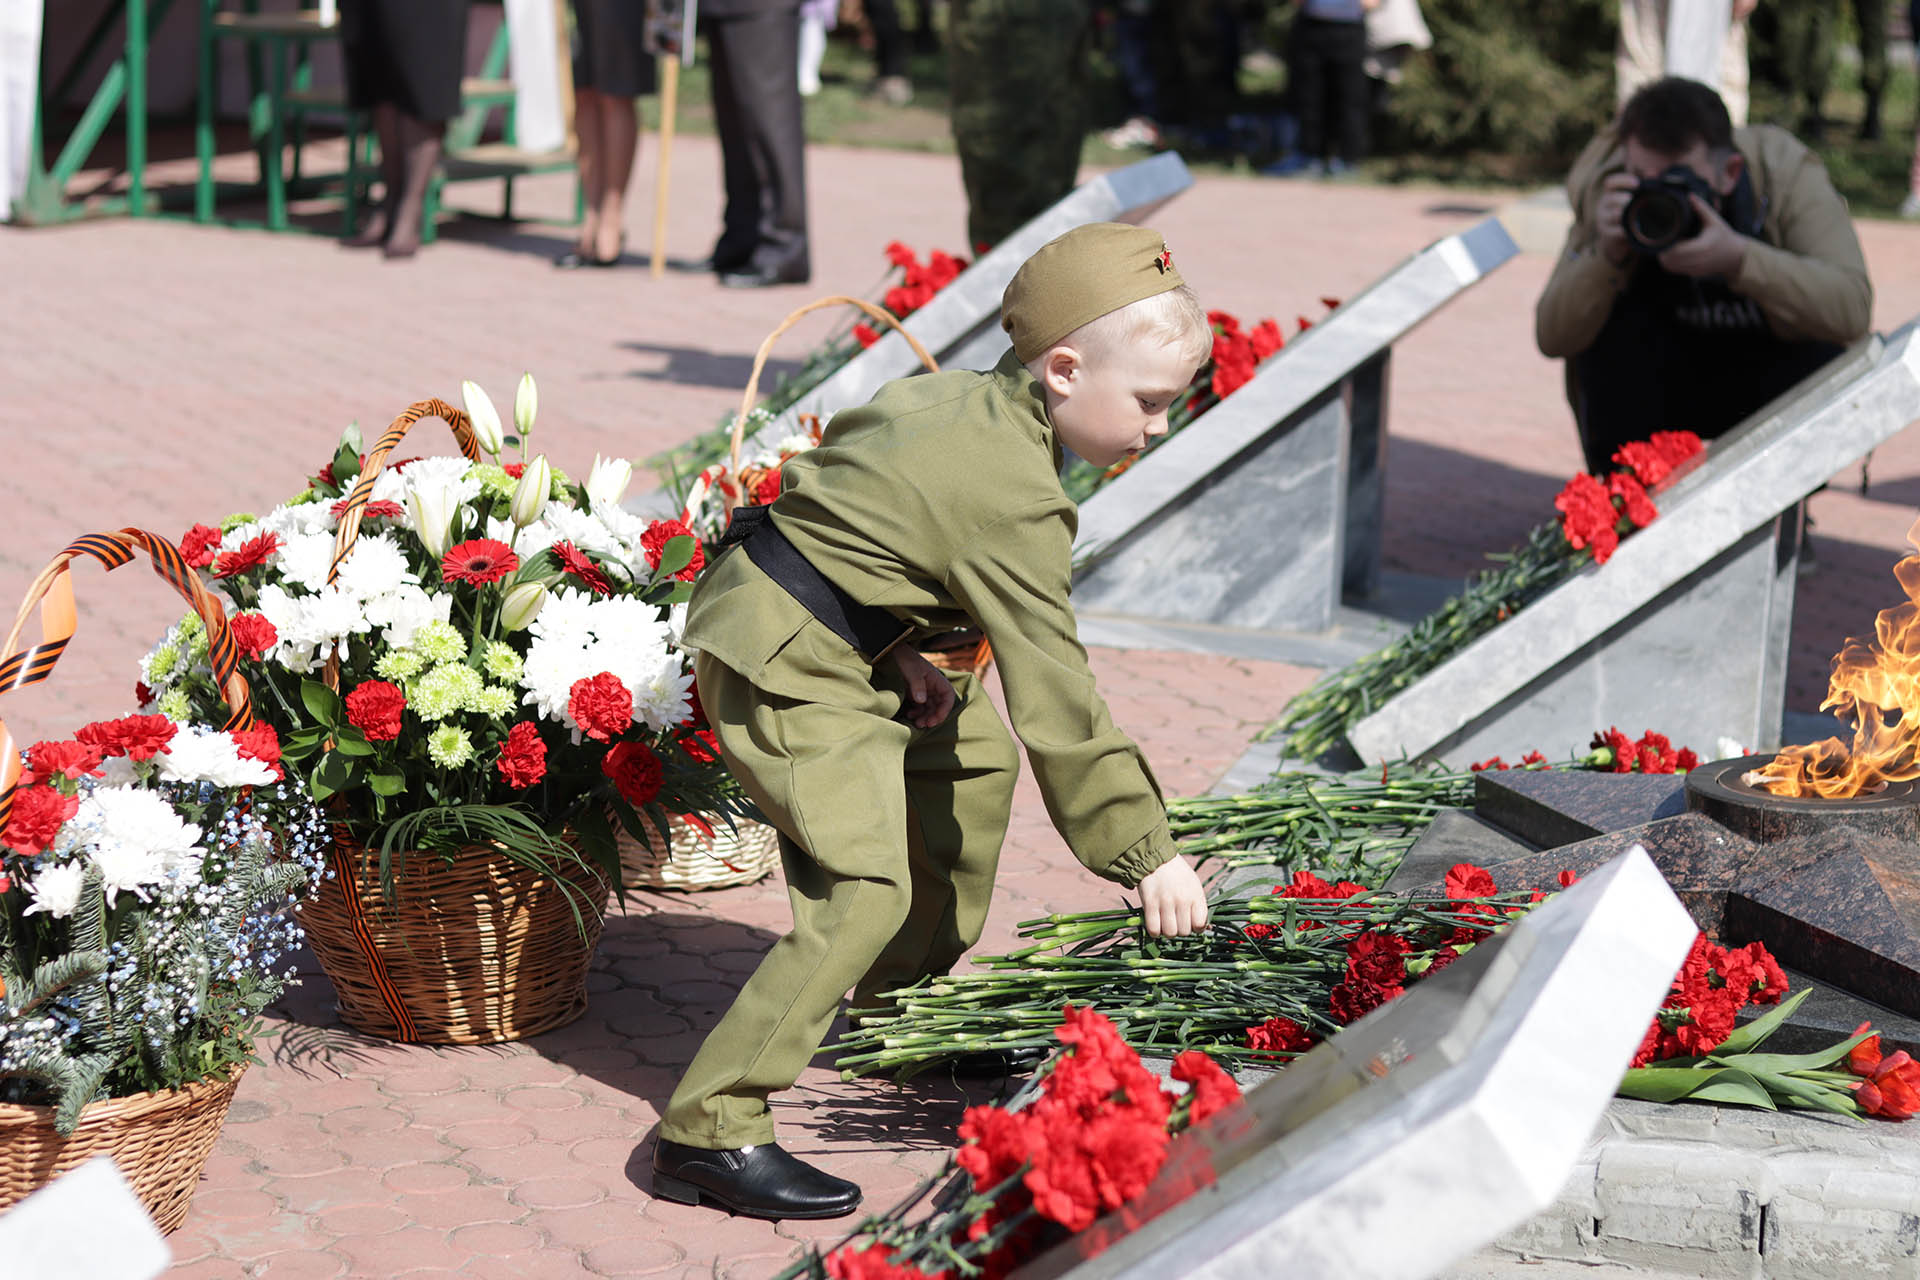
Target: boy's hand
column 1172, row 900
column 929, row 693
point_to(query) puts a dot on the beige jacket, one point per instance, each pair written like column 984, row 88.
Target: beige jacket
column 1806, row 271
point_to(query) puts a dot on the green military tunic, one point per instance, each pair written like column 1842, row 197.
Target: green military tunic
column 940, row 502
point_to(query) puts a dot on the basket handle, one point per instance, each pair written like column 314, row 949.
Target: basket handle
column 53, row 592
column 349, row 529
column 760, row 358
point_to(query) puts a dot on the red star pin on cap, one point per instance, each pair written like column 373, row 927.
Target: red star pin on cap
column 1165, row 260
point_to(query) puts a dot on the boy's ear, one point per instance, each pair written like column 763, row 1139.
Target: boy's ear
column 1060, row 370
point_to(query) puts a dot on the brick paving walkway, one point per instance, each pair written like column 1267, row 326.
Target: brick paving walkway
column 160, row 373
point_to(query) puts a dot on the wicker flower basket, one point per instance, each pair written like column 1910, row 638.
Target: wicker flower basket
column 476, row 951
column 160, row 1141
column 695, row 859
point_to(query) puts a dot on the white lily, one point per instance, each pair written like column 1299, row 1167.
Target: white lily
column 608, row 480
column 530, row 495
column 522, row 605
column 525, row 401
column 485, row 418
column 431, row 507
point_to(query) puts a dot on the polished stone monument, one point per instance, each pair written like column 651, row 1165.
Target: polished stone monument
column 84, row 1225
column 1686, row 628
column 1266, row 511
column 1424, row 1130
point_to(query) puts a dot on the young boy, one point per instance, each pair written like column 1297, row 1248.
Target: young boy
column 937, row 505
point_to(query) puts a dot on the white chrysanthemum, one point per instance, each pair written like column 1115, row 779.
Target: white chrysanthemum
column 135, row 838
column 389, row 486
column 627, row 529
column 662, row 700
column 376, row 567
column 576, row 637
column 582, row 529
column 526, row 543
column 287, row 613
column 677, row 623
column 798, row 442
column 566, row 618
column 300, row 518
column 304, row 558
column 199, row 754
column 331, row 617
column 439, row 470
column 56, row 888
column 402, row 613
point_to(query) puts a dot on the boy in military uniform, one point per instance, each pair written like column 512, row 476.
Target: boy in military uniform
column 935, row 506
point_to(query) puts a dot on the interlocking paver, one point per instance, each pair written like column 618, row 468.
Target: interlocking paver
column 175, row 373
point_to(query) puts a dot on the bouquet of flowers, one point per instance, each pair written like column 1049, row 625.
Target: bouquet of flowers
column 1090, row 1135
column 464, row 649
column 1594, row 516
column 147, row 873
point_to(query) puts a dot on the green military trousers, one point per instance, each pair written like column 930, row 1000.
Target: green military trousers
column 890, row 835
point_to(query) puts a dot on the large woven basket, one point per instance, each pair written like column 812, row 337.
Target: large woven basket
column 160, row 1141
column 716, row 858
column 478, row 950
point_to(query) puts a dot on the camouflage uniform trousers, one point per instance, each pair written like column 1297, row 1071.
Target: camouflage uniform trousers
column 1018, row 72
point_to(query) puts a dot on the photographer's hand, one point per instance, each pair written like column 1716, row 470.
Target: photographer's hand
column 1717, row 251
column 929, row 693
column 1609, row 215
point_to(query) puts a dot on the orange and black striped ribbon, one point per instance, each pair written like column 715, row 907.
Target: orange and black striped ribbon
column 346, row 879
column 31, row 666
column 389, row 440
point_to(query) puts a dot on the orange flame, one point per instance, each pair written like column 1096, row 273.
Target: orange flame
column 1876, row 683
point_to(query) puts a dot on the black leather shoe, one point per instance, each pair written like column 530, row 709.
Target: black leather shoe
column 757, row 1182
column 792, row 271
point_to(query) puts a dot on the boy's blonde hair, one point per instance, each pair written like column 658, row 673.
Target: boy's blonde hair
column 1173, row 318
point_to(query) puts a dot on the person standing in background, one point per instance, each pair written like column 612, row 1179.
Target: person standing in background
column 1641, row 56
column 1326, row 63
column 404, row 60
column 1910, row 208
column 758, row 113
column 612, row 68
column 1018, row 75
column 890, row 47
column 1805, row 51
column 1870, row 16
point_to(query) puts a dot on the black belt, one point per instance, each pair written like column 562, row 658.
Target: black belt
column 868, row 628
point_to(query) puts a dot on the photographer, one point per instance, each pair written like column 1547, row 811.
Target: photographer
column 1708, row 270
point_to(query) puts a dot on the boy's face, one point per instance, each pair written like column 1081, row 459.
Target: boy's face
column 1111, row 406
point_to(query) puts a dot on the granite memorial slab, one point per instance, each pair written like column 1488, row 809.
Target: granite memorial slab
column 1267, row 509
column 1548, row 807
column 1644, row 640
column 84, row 1225
column 1426, row 1129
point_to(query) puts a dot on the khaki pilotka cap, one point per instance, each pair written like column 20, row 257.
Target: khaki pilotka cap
column 1081, row 276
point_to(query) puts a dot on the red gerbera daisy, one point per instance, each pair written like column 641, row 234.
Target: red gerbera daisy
column 251, row 555
column 575, row 562
column 479, row 561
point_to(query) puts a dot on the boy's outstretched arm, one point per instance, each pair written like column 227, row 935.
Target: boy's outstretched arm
column 1172, row 900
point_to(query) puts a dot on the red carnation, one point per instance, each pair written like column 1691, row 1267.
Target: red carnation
column 1654, row 753
column 573, row 561
column 601, row 706
column 200, row 544
column 1534, row 758
column 1266, row 338
column 141, row 694
column 1224, row 321
column 514, row 469
column 1677, row 446
column 1213, row 1089
column 1684, row 761
column 60, row 759
column 767, row 488
column 1280, row 1035
column 136, row 737
column 376, row 509
column 38, row 813
column 1633, row 499
column 1587, row 516
column 260, row 743
column 1464, row 880
column 251, row 555
column 653, row 542
column 873, row 1263
column 899, row 255
column 374, row 709
column 1379, row 959
column 1351, row 1000
column 478, row 561
column 1495, row 763
column 523, row 757
column 1625, row 754
column 701, row 745
column 635, row 771
column 253, row 634
column 864, row 335
column 1645, row 461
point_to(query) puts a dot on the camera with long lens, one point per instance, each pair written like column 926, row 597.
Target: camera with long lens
column 1660, row 214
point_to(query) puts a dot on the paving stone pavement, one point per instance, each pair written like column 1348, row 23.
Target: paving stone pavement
column 159, row 373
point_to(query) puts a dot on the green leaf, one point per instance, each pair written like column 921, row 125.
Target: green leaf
column 346, row 460
column 1748, row 1037
column 350, row 742
column 322, row 703
column 1672, row 1084
column 675, row 556
column 1812, row 1095
column 387, row 784
column 1784, row 1062
column 334, row 772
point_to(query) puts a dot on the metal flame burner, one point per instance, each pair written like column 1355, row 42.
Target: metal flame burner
column 1715, row 789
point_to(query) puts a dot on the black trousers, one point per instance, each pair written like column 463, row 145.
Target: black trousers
column 1646, row 372
column 1325, row 68
column 757, row 113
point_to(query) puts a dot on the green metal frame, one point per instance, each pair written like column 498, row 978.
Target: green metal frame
column 124, row 89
